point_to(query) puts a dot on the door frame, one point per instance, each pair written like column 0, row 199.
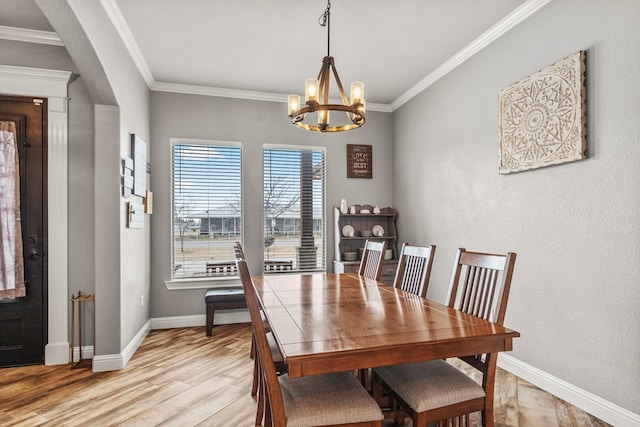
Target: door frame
column 53, row 85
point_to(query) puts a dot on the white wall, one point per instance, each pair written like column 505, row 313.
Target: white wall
column 575, row 227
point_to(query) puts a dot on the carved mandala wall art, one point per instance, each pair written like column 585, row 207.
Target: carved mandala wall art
column 542, row 118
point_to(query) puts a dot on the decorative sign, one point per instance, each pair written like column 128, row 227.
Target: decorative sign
column 543, row 117
column 136, row 215
column 359, row 161
column 148, row 203
column 127, row 176
column 139, row 152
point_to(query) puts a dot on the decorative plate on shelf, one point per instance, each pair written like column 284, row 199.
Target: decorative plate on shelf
column 348, row 231
column 378, row 231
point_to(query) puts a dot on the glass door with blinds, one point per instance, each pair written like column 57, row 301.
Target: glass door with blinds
column 207, row 207
column 294, row 209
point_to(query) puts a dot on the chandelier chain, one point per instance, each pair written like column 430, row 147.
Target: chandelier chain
column 325, row 21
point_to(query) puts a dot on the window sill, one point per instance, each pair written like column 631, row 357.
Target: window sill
column 201, row 283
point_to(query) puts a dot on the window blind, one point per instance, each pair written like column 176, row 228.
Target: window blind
column 207, row 208
column 294, row 210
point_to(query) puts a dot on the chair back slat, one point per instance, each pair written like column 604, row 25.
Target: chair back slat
column 414, row 268
column 372, row 259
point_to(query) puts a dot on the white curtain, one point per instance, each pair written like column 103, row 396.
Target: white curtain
column 11, row 263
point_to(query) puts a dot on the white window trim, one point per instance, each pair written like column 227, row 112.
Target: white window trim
column 204, row 282
column 208, row 283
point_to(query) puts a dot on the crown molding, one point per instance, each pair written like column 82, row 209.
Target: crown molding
column 115, row 16
column 521, row 13
column 241, row 94
column 30, row 36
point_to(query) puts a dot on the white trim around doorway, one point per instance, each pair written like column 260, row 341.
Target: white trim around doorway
column 51, row 84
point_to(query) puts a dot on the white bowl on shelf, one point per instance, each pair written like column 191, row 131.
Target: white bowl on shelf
column 350, row 256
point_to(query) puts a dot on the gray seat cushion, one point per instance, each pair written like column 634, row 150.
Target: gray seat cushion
column 224, row 295
column 327, row 399
column 429, row 385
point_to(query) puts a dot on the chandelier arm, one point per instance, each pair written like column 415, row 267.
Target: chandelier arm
column 339, row 84
column 323, row 80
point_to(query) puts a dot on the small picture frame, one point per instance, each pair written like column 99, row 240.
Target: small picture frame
column 359, row 161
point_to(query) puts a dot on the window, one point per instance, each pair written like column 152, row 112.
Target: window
column 294, row 207
column 207, row 207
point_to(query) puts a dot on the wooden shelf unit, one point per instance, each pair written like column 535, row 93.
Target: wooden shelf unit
column 386, row 218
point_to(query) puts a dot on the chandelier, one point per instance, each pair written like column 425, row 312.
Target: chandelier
column 316, row 95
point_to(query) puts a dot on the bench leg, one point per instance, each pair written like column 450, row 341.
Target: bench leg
column 210, row 313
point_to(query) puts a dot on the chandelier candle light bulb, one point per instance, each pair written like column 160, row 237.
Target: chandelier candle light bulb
column 294, row 103
column 311, row 91
column 323, row 118
column 357, row 93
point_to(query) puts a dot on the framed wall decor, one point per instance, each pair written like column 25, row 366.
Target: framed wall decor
column 139, row 154
column 542, row 118
column 359, row 161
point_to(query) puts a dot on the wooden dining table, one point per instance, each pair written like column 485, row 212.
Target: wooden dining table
column 326, row 322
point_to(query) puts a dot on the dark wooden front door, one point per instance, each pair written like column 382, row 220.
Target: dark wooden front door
column 23, row 321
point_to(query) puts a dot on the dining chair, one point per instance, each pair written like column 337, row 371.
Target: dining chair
column 316, row 400
column 435, row 390
column 278, row 361
column 372, row 259
column 414, row 268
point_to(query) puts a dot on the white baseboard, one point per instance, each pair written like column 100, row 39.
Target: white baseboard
column 107, row 362
column 223, row 318
column 56, row 353
column 588, row 402
column 114, row 362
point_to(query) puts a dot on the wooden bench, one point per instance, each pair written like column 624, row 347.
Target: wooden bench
column 231, row 297
column 271, row 265
column 221, row 268
column 222, row 299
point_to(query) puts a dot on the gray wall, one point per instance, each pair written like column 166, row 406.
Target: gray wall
column 121, row 107
column 575, row 227
column 253, row 123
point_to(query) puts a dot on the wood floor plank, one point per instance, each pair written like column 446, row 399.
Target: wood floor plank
column 536, row 407
column 206, row 408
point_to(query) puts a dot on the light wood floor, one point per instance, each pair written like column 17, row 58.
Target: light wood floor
column 180, row 377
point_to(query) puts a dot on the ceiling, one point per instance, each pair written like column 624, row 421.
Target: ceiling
column 272, row 46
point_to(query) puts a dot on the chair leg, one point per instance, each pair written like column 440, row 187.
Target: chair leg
column 252, row 352
column 256, row 377
column 210, row 313
column 268, row 422
column 364, row 375
column 260, row 391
